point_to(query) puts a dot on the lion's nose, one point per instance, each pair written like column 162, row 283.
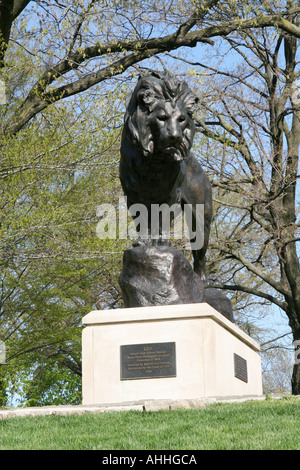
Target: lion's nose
column 175, row 134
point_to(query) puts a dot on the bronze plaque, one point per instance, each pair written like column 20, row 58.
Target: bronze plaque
column 240, row 368
column 144, row 361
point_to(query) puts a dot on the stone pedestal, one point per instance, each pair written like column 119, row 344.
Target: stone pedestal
column 166, row 352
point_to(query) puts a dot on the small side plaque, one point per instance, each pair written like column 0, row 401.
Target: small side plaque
column 240, row 368
column 144, row 361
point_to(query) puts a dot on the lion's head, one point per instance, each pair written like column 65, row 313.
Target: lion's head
column 159, row 116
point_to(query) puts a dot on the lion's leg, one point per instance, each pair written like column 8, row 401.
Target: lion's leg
column 198, row 222
column 200, row 263
column 200, row 229
column 140, row 217
column 196, row 190
column 160, row 222
column 149, row 231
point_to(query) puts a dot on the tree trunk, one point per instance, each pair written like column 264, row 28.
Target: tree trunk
column 296, row 370
column 9, row 11
column 296, row 380
column 3, row 394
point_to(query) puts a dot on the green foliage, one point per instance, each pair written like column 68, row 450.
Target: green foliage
column 49, row 384
column 55, row 269
column 59, row 161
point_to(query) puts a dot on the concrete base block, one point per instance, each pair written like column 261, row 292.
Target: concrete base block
column 212, row 356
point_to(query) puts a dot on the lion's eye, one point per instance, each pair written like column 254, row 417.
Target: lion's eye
column 181, row 119
column 163, row 117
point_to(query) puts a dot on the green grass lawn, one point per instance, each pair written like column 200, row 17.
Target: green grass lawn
column 269, row 424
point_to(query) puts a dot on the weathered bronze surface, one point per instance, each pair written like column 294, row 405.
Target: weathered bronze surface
column 156, row 168
column 240, row 368
column 142, row 361
column 156, row 165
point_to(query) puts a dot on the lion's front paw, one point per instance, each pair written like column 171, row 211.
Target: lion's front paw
column 141, row 242
column 161, row 242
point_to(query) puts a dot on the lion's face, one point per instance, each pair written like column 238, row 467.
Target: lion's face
column 159, row 117
column 170, row 130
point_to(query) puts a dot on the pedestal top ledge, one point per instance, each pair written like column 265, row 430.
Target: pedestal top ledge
column 166, row 313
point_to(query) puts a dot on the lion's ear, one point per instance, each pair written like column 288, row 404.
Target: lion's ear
column 127, row 99
column 191, row 102
column 147, row 97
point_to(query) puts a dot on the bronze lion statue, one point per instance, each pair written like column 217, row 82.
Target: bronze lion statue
column 156, row 165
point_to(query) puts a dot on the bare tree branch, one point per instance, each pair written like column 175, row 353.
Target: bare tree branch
column 252, row 291
column 39, row 98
